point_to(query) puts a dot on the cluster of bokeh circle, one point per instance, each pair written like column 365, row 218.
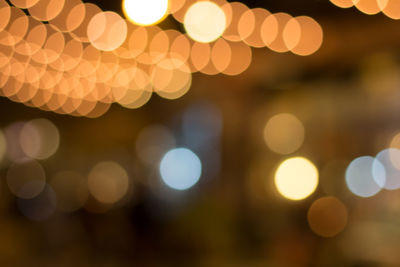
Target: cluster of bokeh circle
column 371, row 7
column 71, row 57
column 297, row 178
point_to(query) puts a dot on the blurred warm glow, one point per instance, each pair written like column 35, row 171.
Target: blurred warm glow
column 180, row 168
column 200, row 56
column 296, row 178
column 205, row 21
column 171, row 78
column 303, row 35
column 145, row 12
column 274, row 40
column 284, row 133
column 24, row 3
column 390, row 8
column 221, row 55
column 251, row 23
column 26, row 178
column 80, row 33
column 327, row 216
column 365, row 176
column 241, row 57
column 70, row 17
column 176, row 5
column 343, row 3
column 231, row 32
column 108, row 182
column 39, row 139
column 369, row 7
column 46, row 10
column 107, row 31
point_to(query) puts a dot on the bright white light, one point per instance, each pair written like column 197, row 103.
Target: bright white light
column 145, row 12
column 296, row 178
column 364, row 180
column 205, row 21
column 180, row 168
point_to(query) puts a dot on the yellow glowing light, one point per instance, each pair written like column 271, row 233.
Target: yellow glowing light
column 205, row 21
column 147, row 12
column 296, row 178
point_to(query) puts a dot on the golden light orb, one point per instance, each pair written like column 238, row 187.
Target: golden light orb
column 205, row 21
column 296, row 178
column 145, row 13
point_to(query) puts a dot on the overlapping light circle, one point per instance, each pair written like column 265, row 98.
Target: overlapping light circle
column 70, row 57
column 371, row 7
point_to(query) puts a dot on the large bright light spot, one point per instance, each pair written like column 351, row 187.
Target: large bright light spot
column 180, row 168
column 147, row 12
column 296, row 178
column 205, row 21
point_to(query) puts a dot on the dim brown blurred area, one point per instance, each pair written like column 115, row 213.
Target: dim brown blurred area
column 96, row 194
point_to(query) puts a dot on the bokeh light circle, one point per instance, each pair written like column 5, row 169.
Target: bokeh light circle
column 296, row 178
column 108, row 182
column 180, row 168
column 284, row 133
column 362, row 180
column 145, row 13
column 205, row 21
column 327, row 216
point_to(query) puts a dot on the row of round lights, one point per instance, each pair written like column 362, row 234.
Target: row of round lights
column 84, row 59
column 371, row 7
column 25, row 144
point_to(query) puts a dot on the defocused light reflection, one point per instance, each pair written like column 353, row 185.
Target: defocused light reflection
column 303, row 35
column 327, row 216
column 390, row 8
column 26, row 178
column 24, row 3
column 205, row 21
column 108, row 182
column 296, row 178
column 362, row 179
column 46, row 10
column 180, row 168
column 145, row 12
column 39, row 139
column 107, row 31
column 369, row 7
column 284, row 133
column 343, row 3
